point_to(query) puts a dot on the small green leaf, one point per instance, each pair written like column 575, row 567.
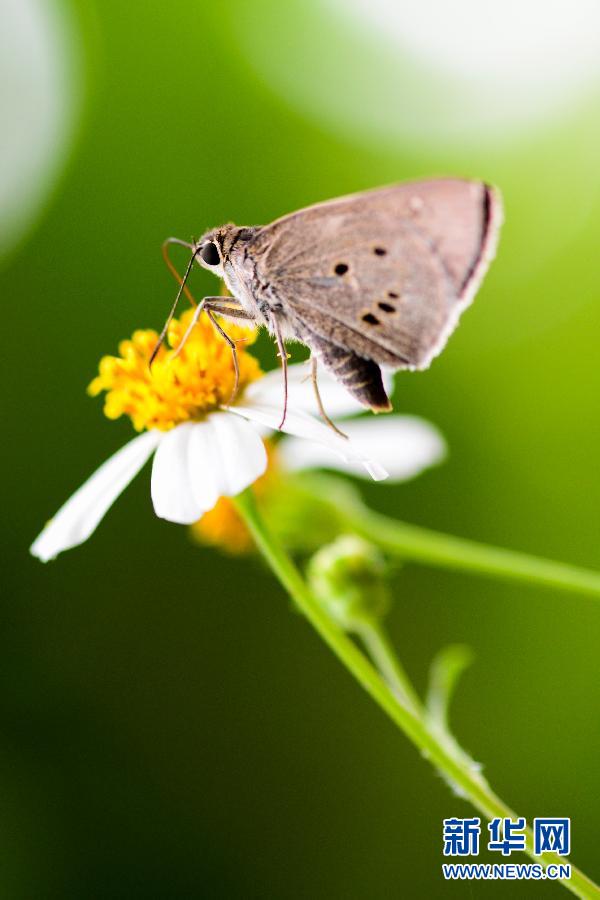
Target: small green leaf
column 446, row 668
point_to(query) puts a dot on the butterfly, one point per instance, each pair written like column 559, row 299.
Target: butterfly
column 370, row 280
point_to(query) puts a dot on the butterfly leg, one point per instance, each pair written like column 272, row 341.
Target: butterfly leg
column 230, row 307
column 231, row 342
column 284, row 367
column 197, row 313
column 313, row 375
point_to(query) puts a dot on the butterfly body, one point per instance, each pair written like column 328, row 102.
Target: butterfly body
column 374, row 279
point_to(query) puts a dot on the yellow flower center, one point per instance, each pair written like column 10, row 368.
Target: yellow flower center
column 178, row 388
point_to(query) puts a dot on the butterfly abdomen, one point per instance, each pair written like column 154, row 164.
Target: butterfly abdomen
column 361, row 377
column 365, row 383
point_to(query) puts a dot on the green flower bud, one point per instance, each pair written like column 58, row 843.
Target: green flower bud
column 304, row 509
column 349, row 578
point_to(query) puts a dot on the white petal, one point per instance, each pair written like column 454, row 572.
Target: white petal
column 242, row 454
column 198, row 462
column 304, row 426
column 336, row 399
column 404, row 445
column 203, row 464
column 170, row 485
column 78, row 517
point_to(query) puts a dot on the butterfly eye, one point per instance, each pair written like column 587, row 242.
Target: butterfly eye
column 210, row 254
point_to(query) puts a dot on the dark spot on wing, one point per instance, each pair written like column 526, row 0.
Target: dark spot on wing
column 370, row 319
column 379, row 251
column 393, row 295
column 341, row 269
column 386, row 307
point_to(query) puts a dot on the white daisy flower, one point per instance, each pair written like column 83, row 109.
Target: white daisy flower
column 402, row 446
column 205, row 448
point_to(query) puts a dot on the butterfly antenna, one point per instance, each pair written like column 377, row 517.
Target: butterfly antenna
column 174, row 307
column 171, row 266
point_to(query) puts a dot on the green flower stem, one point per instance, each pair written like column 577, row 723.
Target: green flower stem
column 445, row 551
column 434, row 548
column 456, row 770
column 378, row 645
column 385, row 659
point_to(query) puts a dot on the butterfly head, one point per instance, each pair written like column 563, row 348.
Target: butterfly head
column 209, row 251
column 216, row 247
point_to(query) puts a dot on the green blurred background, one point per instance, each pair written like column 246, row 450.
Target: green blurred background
column 169, row 728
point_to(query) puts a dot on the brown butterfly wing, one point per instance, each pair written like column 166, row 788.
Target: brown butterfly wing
column 386, row 273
